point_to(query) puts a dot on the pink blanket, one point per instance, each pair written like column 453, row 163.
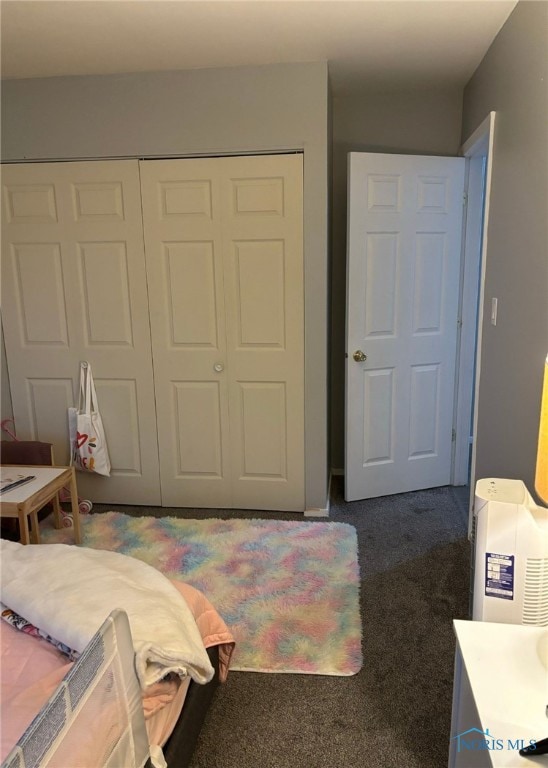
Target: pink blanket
column 32, row 668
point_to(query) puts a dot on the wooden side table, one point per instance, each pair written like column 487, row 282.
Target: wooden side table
column 25, row 500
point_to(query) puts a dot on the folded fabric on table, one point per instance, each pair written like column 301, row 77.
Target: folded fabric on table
column 67, row 592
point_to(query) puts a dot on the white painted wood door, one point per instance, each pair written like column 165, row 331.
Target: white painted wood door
column 403, row 274
column 224, row 250
column 74, row 288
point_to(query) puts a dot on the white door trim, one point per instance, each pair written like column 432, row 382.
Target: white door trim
column 478, row 151
column 278, row 150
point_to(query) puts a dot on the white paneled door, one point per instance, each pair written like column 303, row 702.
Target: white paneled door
column 403, row 272
column 224, row 251
column 74, row 288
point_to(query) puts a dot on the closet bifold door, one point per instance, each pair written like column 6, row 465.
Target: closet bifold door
column 224, row 254
column 74, row 288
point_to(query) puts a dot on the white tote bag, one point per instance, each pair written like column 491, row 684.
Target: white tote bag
column 88, row 446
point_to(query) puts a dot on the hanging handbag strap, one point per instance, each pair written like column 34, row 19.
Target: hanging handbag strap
column 87, row 402
column 82, row 393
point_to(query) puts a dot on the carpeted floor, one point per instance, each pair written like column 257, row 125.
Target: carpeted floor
column 396, row 712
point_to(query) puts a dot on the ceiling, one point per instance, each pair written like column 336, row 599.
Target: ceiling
column 368, row 43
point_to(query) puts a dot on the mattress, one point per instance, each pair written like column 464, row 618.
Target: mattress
column 32, row 669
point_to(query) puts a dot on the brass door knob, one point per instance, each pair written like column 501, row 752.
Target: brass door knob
column 359, row 356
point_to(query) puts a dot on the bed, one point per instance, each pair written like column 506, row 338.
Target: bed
column 159, row 676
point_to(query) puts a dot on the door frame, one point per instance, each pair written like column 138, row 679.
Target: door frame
column 478, row 151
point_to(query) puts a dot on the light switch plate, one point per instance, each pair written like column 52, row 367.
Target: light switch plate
column 494, row 307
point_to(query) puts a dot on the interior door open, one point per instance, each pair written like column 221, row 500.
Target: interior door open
column 403, row 276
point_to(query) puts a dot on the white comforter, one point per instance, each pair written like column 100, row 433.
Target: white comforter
column 68, row 592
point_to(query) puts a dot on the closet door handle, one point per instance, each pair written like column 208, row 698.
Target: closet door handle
column 218, row 367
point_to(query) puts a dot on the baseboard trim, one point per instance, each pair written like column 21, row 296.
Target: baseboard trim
column 317, row 512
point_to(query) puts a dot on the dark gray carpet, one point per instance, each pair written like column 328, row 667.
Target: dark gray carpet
column 396, row 712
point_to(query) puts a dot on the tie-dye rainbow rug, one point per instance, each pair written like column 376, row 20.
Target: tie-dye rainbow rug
column 289, row 591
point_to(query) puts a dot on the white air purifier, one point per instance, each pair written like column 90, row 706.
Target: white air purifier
column 510, row 554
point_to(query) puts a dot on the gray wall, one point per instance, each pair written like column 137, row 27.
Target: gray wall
column 410, row 122
column 512, row 80
column 251, row 109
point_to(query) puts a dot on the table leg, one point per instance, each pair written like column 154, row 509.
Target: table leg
column 74, row 508
column 57, row 512
column 24, row 528
column 35, row 530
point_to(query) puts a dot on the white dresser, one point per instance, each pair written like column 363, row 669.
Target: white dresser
column 500, row 695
